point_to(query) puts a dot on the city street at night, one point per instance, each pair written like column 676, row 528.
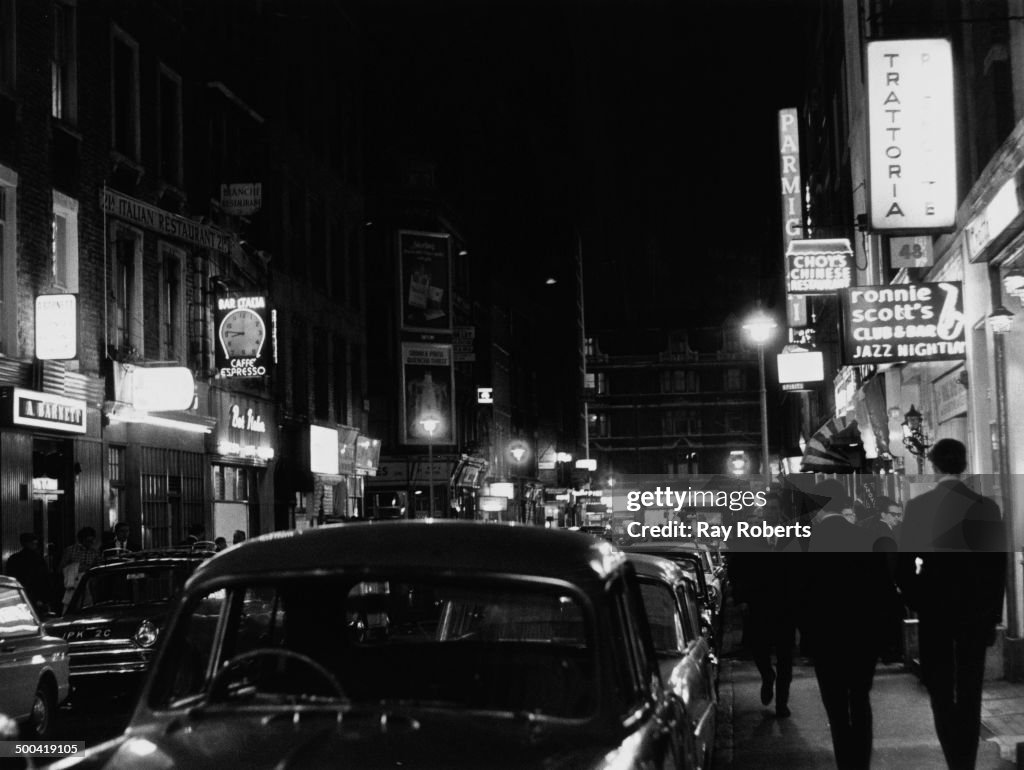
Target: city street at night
column 563, row 384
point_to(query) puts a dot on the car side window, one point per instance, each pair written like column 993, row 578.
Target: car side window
column 688, row 601
column 191, row 652
column 663, row 616
column 16, row 615
column 629, row 656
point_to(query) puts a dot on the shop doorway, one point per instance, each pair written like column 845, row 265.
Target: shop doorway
column 52, row 518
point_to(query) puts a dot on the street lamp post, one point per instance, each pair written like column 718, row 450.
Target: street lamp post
column 760, row 329
column 430, row 424
column 519, row 452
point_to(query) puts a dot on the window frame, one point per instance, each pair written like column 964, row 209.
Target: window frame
column 66, row 207
column 9, row 261
column 133, row 334
column 174, row 349
column 65, row 106
column 119, row 36
column 178, row 158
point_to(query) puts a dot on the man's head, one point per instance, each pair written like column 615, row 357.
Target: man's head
column 889, row 510
column 29, row 541
column 121, row 531
column 948, row 457
column 86, row 536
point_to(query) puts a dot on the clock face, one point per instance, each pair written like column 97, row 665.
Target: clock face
column 242, row 333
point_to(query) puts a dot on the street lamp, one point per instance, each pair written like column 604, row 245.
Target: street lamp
column 430, row 424
column 518, row 450
column 760, row 329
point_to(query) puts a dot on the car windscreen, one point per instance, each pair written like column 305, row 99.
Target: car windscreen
column 514, row 647
column 130, row 584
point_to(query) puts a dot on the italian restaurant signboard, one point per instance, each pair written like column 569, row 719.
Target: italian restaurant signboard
column 904, row 322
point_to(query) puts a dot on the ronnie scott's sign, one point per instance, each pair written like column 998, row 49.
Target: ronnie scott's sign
column 904, row 322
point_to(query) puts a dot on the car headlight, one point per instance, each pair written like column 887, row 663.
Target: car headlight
column 146, row 634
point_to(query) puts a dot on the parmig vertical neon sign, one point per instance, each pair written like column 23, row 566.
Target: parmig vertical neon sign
column 789, row 172
column 911, row 135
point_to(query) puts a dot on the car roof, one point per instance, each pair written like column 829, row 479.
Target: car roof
column 154, row 558
column 657, row 567
column 442, row 547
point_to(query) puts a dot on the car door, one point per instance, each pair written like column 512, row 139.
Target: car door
column 703, row 668
column 19, row 644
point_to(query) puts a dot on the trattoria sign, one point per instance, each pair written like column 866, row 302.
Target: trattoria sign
column 43, row 410
column 904, row 322
column 819, row 266
column 911, row 135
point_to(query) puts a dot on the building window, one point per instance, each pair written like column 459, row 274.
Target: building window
column 126, row 327
column 321, row 377
column 733, row 379
column 172, row 303
column 598, row 424
column 64, row 243
column 340, row 380
column 63, row 63
column 124, row 95
column 117, row 496
column 7, row 42
column 589, row 348
column 170, row 126
column 8, row 262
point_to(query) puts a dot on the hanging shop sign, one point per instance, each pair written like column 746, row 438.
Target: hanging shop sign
column 844, row 390
column 164, row 222
column 241, row 200
column 789, row 172
column 911, row 251
column 796, row 369
column 818, row 266
column 42, row 410
column 911, row 135
column 992, row 220
column 904, row 322
column 56, row 327
column 323, row 450
column 246, row 427
column 246, row 335
column 424, row 265
column 950, row 395
column 154, row 388
column 796, row 311
column 427, row 398
column 347, row 450
column 367, row 455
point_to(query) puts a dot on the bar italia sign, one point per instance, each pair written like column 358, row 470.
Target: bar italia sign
column 904, row 322
column 43, row 410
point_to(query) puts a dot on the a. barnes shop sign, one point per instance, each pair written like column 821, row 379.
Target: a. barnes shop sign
column 246, row 335
column 904, row 322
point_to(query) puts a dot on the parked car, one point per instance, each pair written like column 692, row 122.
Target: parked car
column 506, row 646
column 118, row 612
column 709, row 593
column 683, row 649
column 33, row 664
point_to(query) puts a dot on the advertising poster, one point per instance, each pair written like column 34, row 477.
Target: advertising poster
column 428, row 394
column 425, row 270
column 904, row 322
column 245, row 332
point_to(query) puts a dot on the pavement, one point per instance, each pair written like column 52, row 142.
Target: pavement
column 750, row 736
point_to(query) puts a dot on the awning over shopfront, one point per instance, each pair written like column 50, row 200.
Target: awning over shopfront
column 835, row 448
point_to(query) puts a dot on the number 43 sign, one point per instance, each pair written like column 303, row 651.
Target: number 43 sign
column 911, row 251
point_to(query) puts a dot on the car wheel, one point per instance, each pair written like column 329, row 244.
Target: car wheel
column 43, row 709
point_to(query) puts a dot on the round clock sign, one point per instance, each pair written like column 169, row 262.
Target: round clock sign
column 242, row 333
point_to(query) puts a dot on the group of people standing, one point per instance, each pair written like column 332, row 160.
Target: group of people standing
column 847, row 588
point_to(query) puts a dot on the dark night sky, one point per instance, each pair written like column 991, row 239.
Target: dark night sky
column 648, row 126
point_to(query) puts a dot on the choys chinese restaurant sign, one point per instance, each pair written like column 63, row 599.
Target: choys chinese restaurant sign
column 904, row 322
column 818, row 266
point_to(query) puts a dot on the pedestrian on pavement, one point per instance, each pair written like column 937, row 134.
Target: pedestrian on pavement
column 220, row 543
column 763, row 591
column 238, row 537
column 952, row 572
column 848, row 594
column 28, row 567
column 77, row 560
column 119, row 539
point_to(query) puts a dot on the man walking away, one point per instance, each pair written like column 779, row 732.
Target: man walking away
column 957, row 592
column 28, row 567
column 848, row 592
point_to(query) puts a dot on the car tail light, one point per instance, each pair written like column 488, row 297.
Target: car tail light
column 146, row 634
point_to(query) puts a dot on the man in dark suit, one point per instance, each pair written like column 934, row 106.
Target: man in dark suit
column 119, row 539
column 848, row 593
column 957, row 591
